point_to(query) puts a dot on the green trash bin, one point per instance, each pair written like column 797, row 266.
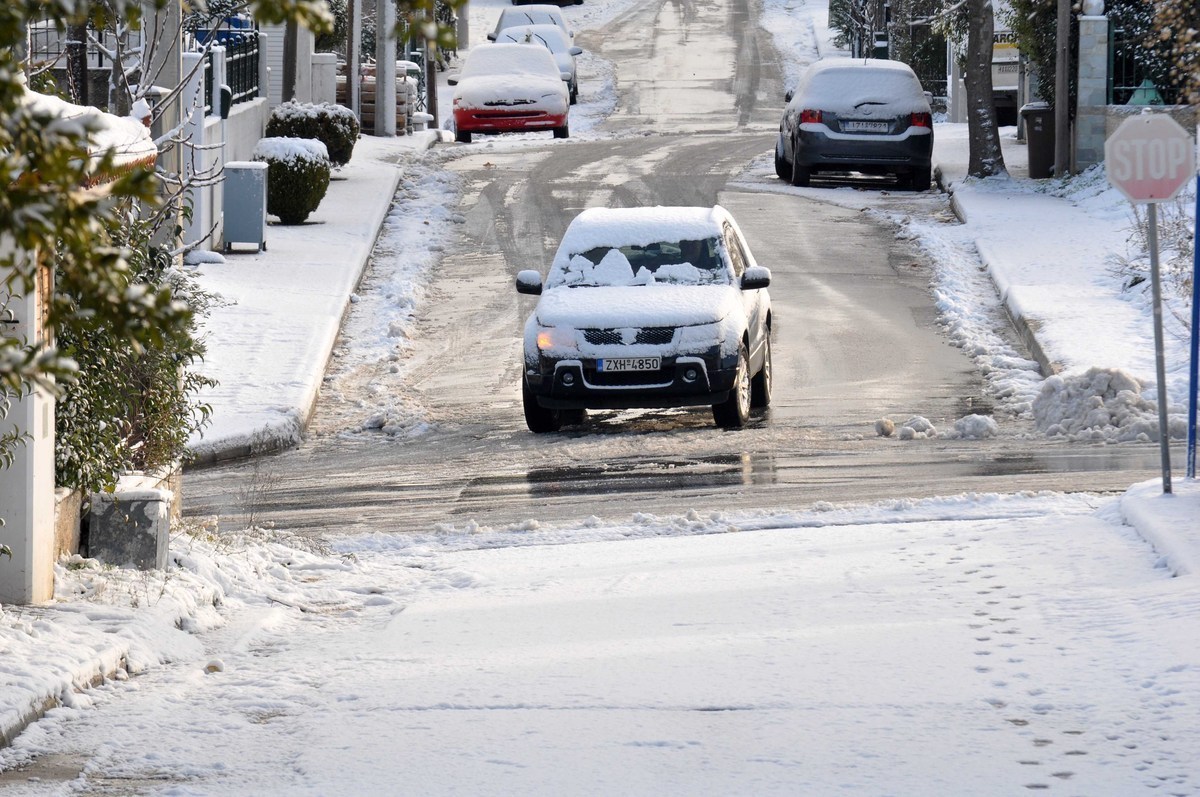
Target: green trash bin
column 1039, row 137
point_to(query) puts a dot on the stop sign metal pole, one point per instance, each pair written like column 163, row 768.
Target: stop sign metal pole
column 1164, row 428
column 1193, row 381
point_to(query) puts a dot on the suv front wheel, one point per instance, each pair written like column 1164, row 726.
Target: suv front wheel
column 538, row 418
column 760, row 385
column 733, row 412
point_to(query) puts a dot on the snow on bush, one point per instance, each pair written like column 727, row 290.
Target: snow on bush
column 1104, row 404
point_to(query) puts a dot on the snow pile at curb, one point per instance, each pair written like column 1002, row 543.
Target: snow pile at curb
column 1101, row 405
column 975, row 427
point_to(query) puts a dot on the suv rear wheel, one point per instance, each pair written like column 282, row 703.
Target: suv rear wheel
column 921, row 179
column 783, row 169
column 801, row 174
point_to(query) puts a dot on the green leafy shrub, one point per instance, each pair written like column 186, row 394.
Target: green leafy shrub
column 130, row 407
column 297, row 176
column 334, row 126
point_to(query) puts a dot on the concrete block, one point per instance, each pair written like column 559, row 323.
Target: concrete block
column 130, row 528
column 68, row 506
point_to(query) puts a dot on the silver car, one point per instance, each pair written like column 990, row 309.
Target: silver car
column 554, row 39
column 536, row 14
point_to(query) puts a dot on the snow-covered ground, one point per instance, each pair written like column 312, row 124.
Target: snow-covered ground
column 980, row 644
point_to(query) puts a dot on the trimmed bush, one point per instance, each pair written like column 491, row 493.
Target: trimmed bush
column 335, row 126
column 297, row 176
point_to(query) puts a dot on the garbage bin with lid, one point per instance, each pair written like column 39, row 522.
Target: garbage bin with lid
column 1039, row 135
column 245, row 205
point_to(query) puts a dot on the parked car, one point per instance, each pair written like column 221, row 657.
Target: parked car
column 648, row 307
column 869, row 116
column 553, row 39
column 538, row 14
column 509, row 87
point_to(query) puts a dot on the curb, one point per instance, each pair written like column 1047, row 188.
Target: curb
column 40, row 706
column 1026, row 330
column 290, row 432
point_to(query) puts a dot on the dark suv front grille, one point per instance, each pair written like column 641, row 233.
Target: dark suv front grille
column 628, row 378
column 657, row 336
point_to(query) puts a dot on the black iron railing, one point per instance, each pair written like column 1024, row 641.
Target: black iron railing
column 241, row 66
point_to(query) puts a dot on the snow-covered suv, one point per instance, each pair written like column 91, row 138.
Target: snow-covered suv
column 648, row 307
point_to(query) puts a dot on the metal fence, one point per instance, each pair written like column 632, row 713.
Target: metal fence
column 48, row 45
column 1136, row 76
column 242, row 54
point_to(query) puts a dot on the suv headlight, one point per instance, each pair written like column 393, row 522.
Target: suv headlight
column 557, row 340
column 700, row 338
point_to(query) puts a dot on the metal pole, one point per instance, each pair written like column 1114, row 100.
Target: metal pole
column 291, row 35
column 1193, row 379
column 431, row 97
column 1164, row 430
column 1062, row 91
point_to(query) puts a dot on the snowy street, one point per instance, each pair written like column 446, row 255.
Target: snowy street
column 415, row 595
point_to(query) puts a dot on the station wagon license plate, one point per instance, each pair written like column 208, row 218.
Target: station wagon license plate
column 865, row 127
column 629, row 364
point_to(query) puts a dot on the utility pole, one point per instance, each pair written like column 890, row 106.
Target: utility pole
column 1062, row 91
column 431, row 98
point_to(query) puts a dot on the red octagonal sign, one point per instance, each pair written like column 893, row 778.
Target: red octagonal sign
column 1149, row 158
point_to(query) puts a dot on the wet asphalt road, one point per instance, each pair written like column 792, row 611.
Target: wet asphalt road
column 856, row 337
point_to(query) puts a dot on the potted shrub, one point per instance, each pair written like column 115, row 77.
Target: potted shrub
column 335, row 126
column 297, row 176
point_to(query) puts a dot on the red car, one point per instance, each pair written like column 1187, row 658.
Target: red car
column 510, row 87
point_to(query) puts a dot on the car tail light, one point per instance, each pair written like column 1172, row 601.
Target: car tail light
column 809, row 115
column 922, row 120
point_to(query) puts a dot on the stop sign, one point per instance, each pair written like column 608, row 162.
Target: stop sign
column 1149, row 158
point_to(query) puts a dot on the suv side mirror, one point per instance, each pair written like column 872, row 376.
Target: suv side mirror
column 756, row 277
column 529, row 282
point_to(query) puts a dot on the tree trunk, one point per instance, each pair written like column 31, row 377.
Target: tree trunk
column 77, row 70
column 983, row 133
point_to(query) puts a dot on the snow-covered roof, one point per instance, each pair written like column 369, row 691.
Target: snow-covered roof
column 551, row 36
column 530, row 14
column 641, row 226
column 849, row 84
